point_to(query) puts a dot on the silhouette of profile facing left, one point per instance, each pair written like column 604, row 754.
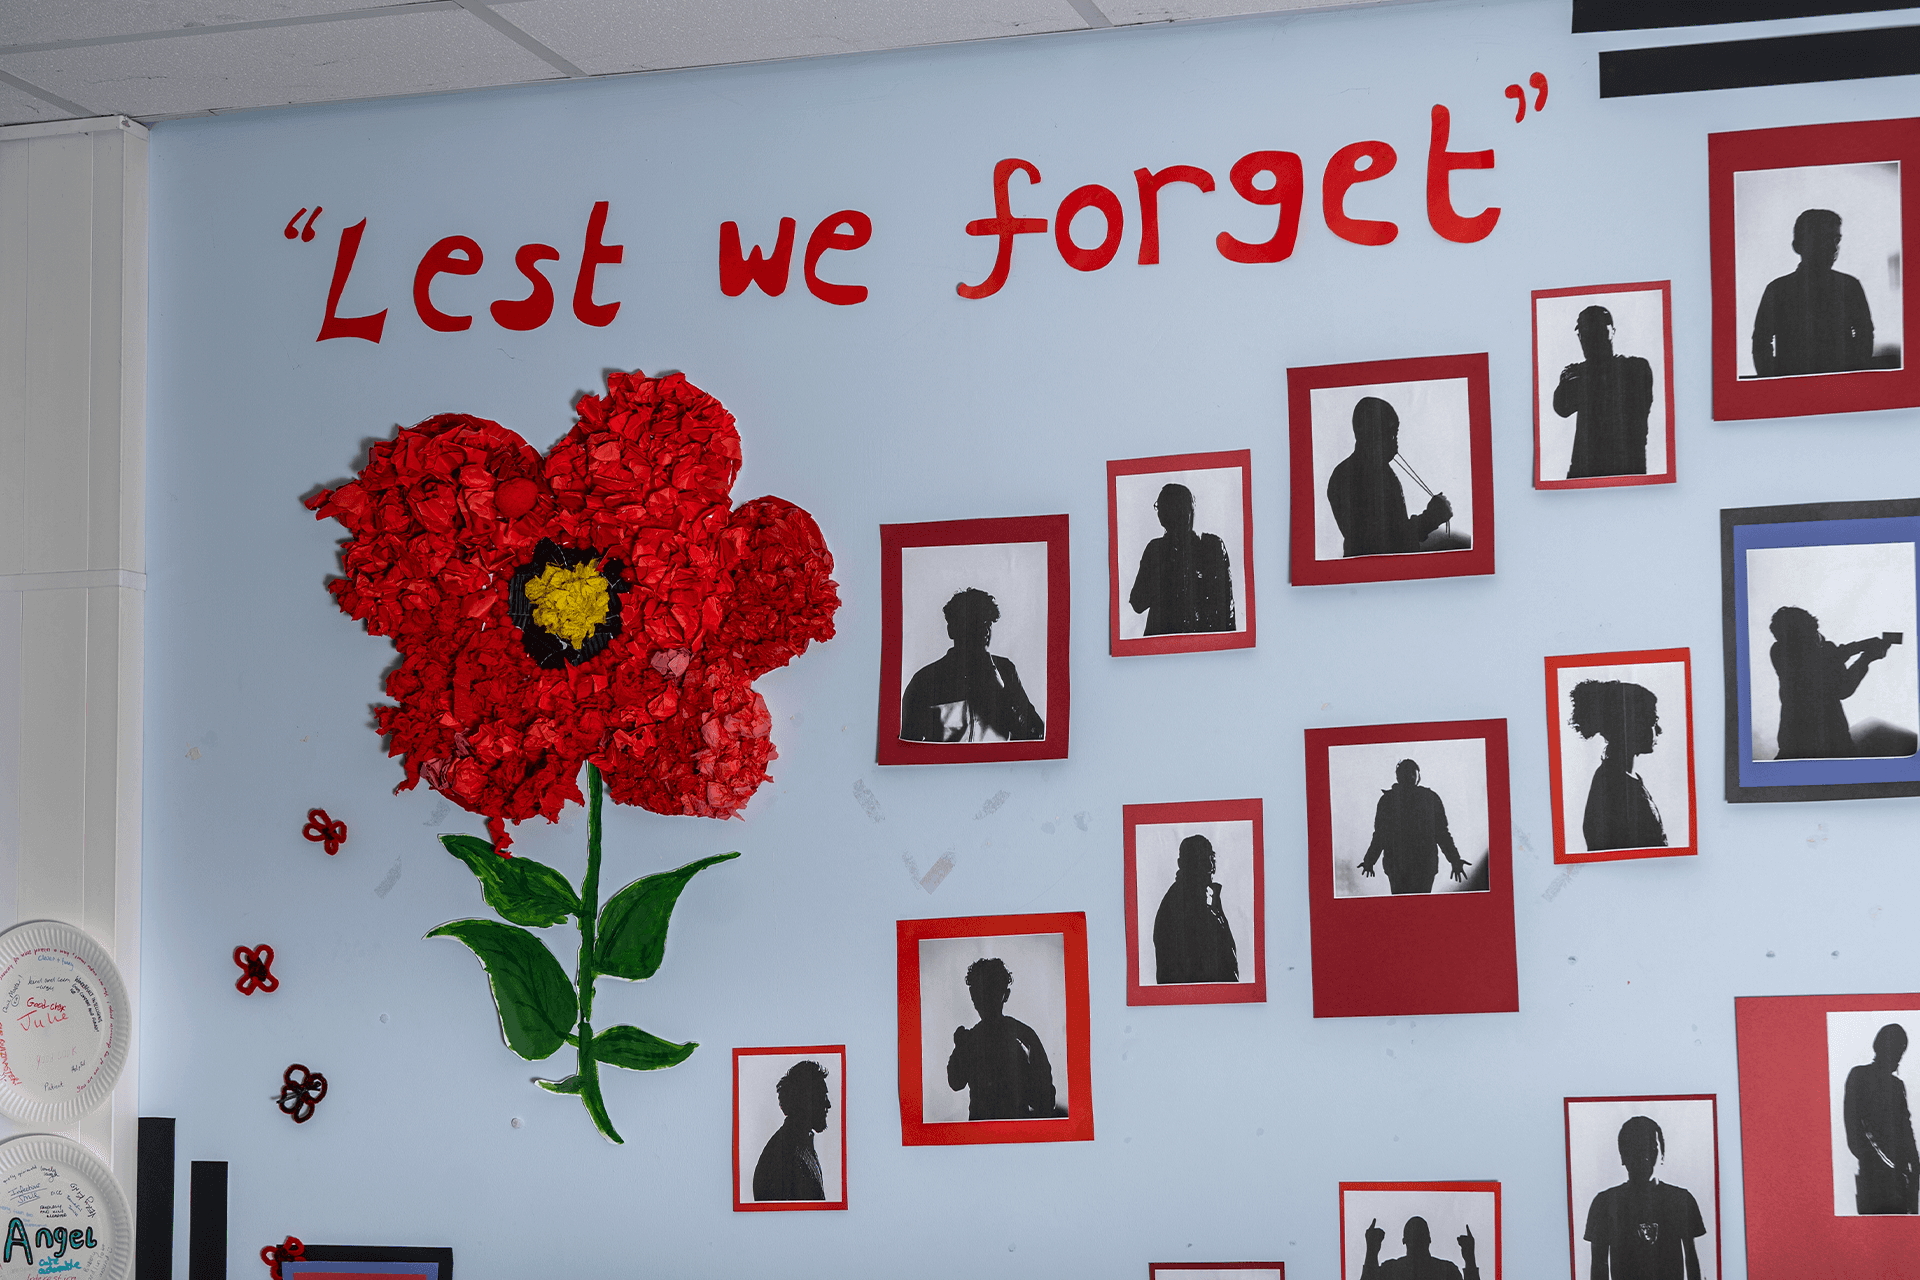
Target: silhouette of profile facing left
column 1419, row 1262
column 1368, row 503
column 1620, row 813
column 1880, row 1129
column 999, row 1061
column 1192, row 941
column 1644, row 1229
column 1410, row 833
column 788, row 1168
column 1816, row 676
column 968, row 694
column 1608, row 396
column 1814, row 319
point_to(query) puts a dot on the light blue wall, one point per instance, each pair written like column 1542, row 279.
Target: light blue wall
column 1223, row 1131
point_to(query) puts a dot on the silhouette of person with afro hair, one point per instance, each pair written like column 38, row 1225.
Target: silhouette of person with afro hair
column 1620, row 814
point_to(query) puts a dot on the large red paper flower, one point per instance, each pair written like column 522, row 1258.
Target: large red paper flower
column 604, row 604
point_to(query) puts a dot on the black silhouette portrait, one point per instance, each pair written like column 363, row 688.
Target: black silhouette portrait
column 969, row 695
column 788, row 1169
column 1816, row 676
column 1368, row 503
column 1620, row 813
column 1608, row 396
column 1184, row 584
column 1814, row 319
column 999, row 1061
column 1409, row 835
column 1192, row 941
column 1419, row 1262
column 1644, row 1229
column 1880, row 1129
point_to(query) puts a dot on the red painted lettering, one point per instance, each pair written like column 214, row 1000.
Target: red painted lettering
column 592, row 257
column 1080, row 199
column 336, row 325
column 1344, row 171
column 1004, row 225
column 736, row 272
column 441, row 260
column 1286, row 191
column 1150, row 184
column 1440, row 166
column 845, row 231
column 531, row 311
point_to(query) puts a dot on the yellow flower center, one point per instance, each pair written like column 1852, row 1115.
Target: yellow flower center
column 570, row 603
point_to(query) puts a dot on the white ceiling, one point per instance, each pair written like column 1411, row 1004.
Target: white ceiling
column 161, row 59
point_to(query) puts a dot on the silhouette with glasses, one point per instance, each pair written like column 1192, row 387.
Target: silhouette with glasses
column 999, row 1061
column 1608, row 396
column 1419, row 1263
column 1409, row 835
column 1184, row 583
column 1192, row 941
column 1815, row 319
column 1620, row 814
column 788, row 1169
column 1880, row 1129
column 1644, row 1229
column 1816, row 676
column 969, row 695
column 1368, row 503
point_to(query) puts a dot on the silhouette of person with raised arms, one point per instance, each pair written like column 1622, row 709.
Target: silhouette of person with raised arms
column 969, row 695
column 1880, row 1129
column 999, row 1061
column 1644, row 1229
column 1815, row 319
column 1192, row 941
column 1608, row 396
column 1410, row 833
column 788, row 1169
column 1184, row 583
column 1620, row 814
column 1419, row 1264
column 1816, row 675
column 1368, row 503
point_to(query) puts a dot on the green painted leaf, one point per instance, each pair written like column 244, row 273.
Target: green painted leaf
column 633, row 925
column 572, row 1084
column 535, row 1000
column 520, row 889
column 634, row 1049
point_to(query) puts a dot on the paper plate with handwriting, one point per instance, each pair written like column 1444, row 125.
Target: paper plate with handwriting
column 64, row 1023
column 62, row 1212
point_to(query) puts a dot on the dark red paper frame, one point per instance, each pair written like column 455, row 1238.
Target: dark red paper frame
column 1077, row 1126
column 1670, row 475
column 1573, row 1219
column 1052, row 530
column 1156, row 1270
column 1396, row 956
column 1555, row 727
column 1499, row 1218
column 1198, row 642
column 1253, row 991
column 1786, row 1146
column 1304, row 569
column 1798, row 146
column 784, row 1206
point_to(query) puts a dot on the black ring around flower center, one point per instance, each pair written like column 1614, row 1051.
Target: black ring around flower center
column 547, row 649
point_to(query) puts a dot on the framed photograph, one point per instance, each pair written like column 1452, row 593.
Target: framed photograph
column 1603, row 385
column 1410, row 870
column 1826, row 1135
column 1455, row 1223
column 1810, row 227
column 1180, row 553
column 1620, row 755
column 1196, row 903
column 1823, row 685
column 371, row 1262
column 1217, row 1270
column 790, row 1128
column 994, row 1030
column 973, row 625
column 1643, row 1185
column 1392, row 470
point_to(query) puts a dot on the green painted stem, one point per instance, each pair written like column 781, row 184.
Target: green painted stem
column 589, row 912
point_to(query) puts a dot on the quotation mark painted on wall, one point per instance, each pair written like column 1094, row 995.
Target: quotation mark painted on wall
column 304, row 234
column 1519, row 96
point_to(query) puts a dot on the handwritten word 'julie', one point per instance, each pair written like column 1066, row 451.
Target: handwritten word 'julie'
column 40, row 1015
column 59, row 1239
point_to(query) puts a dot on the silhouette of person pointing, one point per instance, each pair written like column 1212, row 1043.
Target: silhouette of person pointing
column 1644, row 1229
column 1368, row 503
column 1419, row 1264
column 1620, row 814
column 968, row 694
column 1609, row 397
column 1192, row 941
column 1880, row 1129
column 1816, row 675
column 1184, row 583
column 1815, row 319
column 1410, row 833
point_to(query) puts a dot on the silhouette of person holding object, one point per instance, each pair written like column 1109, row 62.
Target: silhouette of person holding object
column 1410, row 833
column 1644, row 1229
column 1816, row 675
column 1419, row 1264
column 969, row 695
column 1816, row 319
column 1609, row 397
column 1620, row 814
column 1184, row 584
column 1368, row 503
column 999, row 1061
column 788, row 1169
column 1880, row 1129
column 1192, row 941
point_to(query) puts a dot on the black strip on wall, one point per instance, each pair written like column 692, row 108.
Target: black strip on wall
column 153, row 1201
column 1640, row 15
column 1743, row 64
column 207, row 1221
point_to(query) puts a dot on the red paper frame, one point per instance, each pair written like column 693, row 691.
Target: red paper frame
column 1499, row 1219
column 784, row 1206
column 1197, row 642
column 1799, row 146
column 1160, row 1270
column 1396, row 956
column 1052, row 530
column 1670, row 475
column 1786, row 1146
column 1573, row 1220
column 1556, row 726
column 1253, row 991
column 1305, row 570
column 1077, row 1126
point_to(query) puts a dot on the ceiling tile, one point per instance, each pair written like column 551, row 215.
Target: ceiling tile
column 44, row 21
column 23, row 108
column 367, row 57
column 1121, row 12
column 620, row 35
